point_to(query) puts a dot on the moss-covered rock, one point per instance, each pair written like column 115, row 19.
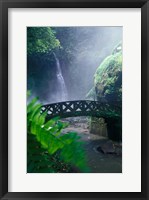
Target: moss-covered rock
column 108, row 88
column 108, row 79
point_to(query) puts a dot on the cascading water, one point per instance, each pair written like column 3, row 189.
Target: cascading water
column 61, row 89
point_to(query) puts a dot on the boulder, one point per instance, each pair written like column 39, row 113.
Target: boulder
column 108, row 79
column 108, row 89
column 107, row 148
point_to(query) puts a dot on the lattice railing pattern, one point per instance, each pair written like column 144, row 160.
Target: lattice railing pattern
column 79, row 108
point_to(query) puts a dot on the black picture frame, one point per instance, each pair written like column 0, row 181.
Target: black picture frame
column 4, row 6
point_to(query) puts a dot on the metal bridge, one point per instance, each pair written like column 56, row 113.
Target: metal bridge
column 81, row 108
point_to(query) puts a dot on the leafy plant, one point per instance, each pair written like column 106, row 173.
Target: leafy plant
column 48, row 149
column 41, row 40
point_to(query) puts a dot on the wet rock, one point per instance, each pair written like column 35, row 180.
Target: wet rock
column 107, row 148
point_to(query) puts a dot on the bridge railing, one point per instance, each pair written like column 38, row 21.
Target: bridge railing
column 80, row 108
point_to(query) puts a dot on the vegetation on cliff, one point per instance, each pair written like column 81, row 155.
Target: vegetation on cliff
column 41, row 40
column 108, row 78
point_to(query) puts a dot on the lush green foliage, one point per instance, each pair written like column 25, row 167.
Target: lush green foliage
column 48, row 149
column 108, row 78
column 112, row 62
column 41, row 40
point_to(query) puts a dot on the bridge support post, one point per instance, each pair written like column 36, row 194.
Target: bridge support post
column 98, row 127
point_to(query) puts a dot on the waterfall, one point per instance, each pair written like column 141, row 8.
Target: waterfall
column 61, row 87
